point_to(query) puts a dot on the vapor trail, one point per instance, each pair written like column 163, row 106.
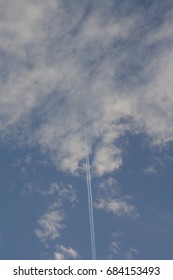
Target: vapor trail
column 90, row 200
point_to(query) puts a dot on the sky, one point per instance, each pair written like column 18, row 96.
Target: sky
column 107, row 66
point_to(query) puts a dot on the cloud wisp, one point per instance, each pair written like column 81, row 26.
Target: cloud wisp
column 52, row 222
column 53, row 81
column 109, row 199
column 67, row 63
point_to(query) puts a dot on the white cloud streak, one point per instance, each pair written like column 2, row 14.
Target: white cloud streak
column 90, row 200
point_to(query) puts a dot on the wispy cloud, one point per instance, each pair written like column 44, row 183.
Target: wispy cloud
column 109, row 199
column 60, row 74
column 116, row 206
column 107, row 159
column 131, row 253
column 115, row 248
column 117, row 251
column 50, row 225
column 150, row 170
column 62, row 192
column 62, row 253
column 52, row 222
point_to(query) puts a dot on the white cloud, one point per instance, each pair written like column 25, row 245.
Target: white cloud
column 24, row 74
column 115, row 247
column 57, row 192
column 63, row 193
column 28, row 159
column 65, row 253
column 131, row 253
column 109, row 199
column 107, row 159
column 60, row 72
column 50, row 225
column 150, row 170
column 116, row 206
column 52, row 222
column 96, row 29
column 154, row 112
column 109, row 185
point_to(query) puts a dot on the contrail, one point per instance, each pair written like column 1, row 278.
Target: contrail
column 90, row 200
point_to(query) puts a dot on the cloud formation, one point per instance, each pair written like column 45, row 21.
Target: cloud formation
column 52, row 222
column 50, row 225
column 131, row 253
column 63, row 253
column 67, row 64
column 110, row 200
column 98, row 66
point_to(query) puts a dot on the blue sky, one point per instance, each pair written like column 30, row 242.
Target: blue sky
column 107, row 65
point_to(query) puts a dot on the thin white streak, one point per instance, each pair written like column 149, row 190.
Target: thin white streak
column 90, row 200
